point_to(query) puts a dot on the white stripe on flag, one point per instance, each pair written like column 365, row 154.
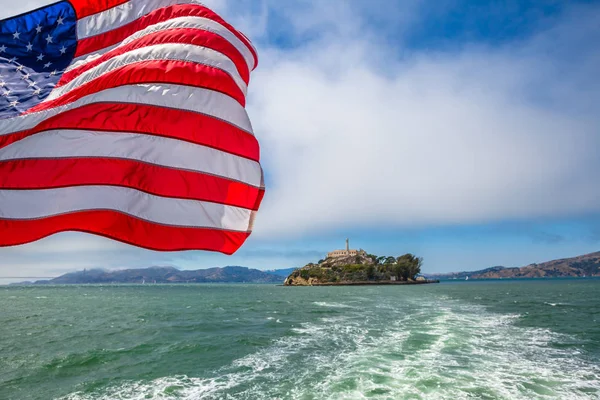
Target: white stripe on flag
column 157, row 150
column 87, row 58
column 204, row 101
column 199, row 23
column 121, row 15
column 34, row 204
column 170, row 51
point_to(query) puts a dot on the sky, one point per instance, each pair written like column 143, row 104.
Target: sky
column 466, row 132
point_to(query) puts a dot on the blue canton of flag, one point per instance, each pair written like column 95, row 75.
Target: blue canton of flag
column 35, row 49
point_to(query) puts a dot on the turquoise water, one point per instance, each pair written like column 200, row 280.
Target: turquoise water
column 476, row 340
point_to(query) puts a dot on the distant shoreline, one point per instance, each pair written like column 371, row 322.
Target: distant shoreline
column 369, row 283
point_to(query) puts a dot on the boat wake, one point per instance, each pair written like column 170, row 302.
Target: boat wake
column 438, row 350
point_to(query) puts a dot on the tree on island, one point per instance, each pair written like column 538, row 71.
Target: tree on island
column 370, row 272
column 408, row 266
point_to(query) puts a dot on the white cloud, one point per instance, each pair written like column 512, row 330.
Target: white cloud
column 352, row 136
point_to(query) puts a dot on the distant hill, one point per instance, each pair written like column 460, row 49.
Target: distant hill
column 586, row 265
column 166, row 275
column 281, row 272
column 464, row 274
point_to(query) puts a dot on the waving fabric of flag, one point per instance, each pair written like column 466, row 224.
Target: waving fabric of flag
column 126, row 119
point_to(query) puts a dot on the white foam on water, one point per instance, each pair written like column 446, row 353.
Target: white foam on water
column 478, row 354
column 179, row 387
column 331, row 305
column 442, row 349
column 556, row 304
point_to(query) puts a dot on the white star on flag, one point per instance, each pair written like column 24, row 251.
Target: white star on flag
column 63, row 50
column 2, row 49
column 60, row 20
column 29, row 46
column 47, row 64
column 16, row 35
column 40, row 57
column 38, row 29
column 49, row 39
column 14, row 103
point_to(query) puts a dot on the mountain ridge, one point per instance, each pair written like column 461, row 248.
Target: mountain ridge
column 587, row 265
column 229, row 274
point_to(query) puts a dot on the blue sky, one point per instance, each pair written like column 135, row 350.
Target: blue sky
column 466, row 132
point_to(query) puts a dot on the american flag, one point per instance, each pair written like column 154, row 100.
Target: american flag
column 126, row 119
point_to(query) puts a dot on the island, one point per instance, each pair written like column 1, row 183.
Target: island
column 357, row 267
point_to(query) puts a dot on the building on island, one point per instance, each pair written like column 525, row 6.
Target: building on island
column 347, row 252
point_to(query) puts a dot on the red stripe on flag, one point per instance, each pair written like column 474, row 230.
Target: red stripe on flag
column 155, row 71
column 153, row 179
column 110, row 38
column 138, row 118
column 85, row 8
column 260, row 198
column 181, row 36
column 124, row 228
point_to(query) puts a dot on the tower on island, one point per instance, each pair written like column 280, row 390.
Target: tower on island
column 347, row 252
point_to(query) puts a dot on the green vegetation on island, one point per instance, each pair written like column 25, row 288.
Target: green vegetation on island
column 359, row 269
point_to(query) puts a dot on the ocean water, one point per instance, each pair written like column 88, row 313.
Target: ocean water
column 463, row 340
